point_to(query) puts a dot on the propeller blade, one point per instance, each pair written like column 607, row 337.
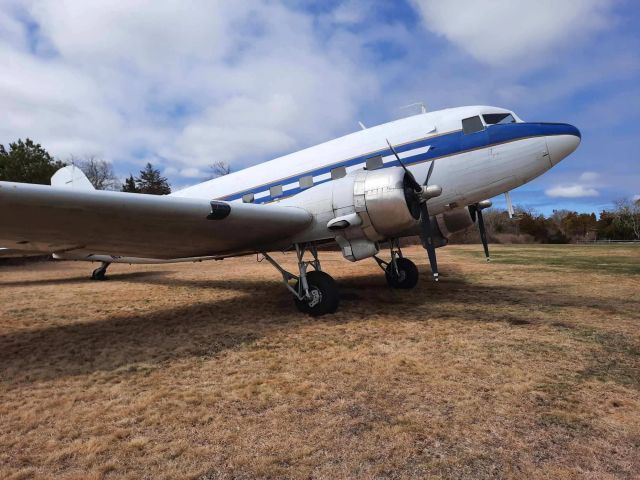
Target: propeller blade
column 429, row 172
column 483, row 234
column 427, row 238
column 472, row 212
column 414, row 183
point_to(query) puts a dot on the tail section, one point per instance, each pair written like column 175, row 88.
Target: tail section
column 71, row 177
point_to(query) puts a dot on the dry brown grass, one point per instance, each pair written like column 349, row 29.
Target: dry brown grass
column 506, row 370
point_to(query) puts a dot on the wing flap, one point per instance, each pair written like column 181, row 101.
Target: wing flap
column 44, row 218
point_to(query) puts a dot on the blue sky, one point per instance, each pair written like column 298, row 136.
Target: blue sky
column 183, row 86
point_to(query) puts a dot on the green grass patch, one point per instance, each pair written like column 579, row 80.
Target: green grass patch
column 614, row 260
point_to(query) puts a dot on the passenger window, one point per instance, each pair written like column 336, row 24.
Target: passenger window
column 374, row 162
column 338, row 172
column 276, row 191
column 306, row 182
column 472, row 125
column 248, row 198
column 495, row 118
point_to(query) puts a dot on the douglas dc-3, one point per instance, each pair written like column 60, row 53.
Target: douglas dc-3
column 428, row 174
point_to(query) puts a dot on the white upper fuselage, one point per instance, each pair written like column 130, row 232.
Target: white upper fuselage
column 468, row 166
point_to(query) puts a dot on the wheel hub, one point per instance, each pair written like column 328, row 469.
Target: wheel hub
column 402, row 275
column 315, row 297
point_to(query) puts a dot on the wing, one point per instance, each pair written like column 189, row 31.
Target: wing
column 49, row 219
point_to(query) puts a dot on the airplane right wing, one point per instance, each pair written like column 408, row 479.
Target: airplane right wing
column 42, row 218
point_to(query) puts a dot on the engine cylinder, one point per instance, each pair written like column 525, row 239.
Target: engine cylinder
column 382, row 195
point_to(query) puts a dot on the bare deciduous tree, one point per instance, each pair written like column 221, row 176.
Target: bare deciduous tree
column 220, row 169
column 99, row 172
column 627, row 216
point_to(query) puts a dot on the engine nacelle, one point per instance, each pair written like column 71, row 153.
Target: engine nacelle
column 453, row 221
column 370, row 206
column 373, row 205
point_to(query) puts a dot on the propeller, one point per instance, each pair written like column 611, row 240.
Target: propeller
column 475, row 211
column 421, row 194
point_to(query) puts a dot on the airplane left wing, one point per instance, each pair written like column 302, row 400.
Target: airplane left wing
column 41, row 218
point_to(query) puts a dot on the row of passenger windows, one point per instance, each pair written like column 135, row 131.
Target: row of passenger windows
column 372, row 163
column 474, row 124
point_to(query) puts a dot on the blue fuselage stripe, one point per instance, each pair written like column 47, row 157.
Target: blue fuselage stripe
column 440, row 146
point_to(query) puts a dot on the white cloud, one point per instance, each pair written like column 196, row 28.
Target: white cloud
column 636, row 198
column 588, row 177
column 350, row 12
column 191, row 172
column 501, row 31
column 181, row 85
column 571, row 191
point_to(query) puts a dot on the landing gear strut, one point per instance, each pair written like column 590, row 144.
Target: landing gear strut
column 315, row 293
column 400, row 272
column 100, row 273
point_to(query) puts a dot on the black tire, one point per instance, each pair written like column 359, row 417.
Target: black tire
column 407, row 276
column 326, row 296
column 98, row 274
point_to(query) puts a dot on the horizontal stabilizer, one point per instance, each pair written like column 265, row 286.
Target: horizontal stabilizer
column 71, row 177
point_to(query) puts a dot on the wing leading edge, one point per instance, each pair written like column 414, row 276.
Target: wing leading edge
column 49, row 219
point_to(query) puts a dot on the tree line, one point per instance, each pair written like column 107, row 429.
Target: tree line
column 621, row 222
column 28, row 162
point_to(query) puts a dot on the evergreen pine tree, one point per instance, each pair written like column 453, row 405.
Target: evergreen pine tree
column 130, row 185
column 27, row 162
column 150, row 181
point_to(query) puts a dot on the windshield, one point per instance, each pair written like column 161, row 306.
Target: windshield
column 494, row 118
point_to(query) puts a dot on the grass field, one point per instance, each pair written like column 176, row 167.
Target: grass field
column 527, row 367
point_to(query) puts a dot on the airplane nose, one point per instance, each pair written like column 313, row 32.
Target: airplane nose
column 565, row 140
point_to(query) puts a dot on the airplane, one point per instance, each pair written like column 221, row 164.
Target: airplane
column 428, row 174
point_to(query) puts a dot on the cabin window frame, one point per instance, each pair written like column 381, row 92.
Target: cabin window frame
column 374, row 163
column 276, row 191
column 305, row 182
column 501, row 121
column 338, row 172
column 474, row 128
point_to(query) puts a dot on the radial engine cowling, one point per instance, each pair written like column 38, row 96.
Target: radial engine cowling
column 370, row 206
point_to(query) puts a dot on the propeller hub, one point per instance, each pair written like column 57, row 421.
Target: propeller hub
column 484, row 204
column 431, row 191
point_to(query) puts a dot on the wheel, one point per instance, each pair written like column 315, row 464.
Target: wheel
column 407, row 276
column 324, row 295
column 98, row 274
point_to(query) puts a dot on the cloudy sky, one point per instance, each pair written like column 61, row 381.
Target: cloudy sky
column 183, row 84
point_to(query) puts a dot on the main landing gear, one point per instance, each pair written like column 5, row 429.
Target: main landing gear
column 315, row 292
column 400, row 272
column 100, row 273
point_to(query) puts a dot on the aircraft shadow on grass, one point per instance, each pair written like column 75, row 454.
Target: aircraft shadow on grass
column 83, row 279
column 210, row 328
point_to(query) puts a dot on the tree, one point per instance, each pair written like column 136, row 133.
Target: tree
column 150, row 181
column 627, row 219
column 27, row 162
column 99, row 172
column 534, row 224
column 220, row 169
column 130, row 185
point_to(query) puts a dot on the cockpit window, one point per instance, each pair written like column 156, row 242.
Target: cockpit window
column 472, row 125
column 495, row 118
